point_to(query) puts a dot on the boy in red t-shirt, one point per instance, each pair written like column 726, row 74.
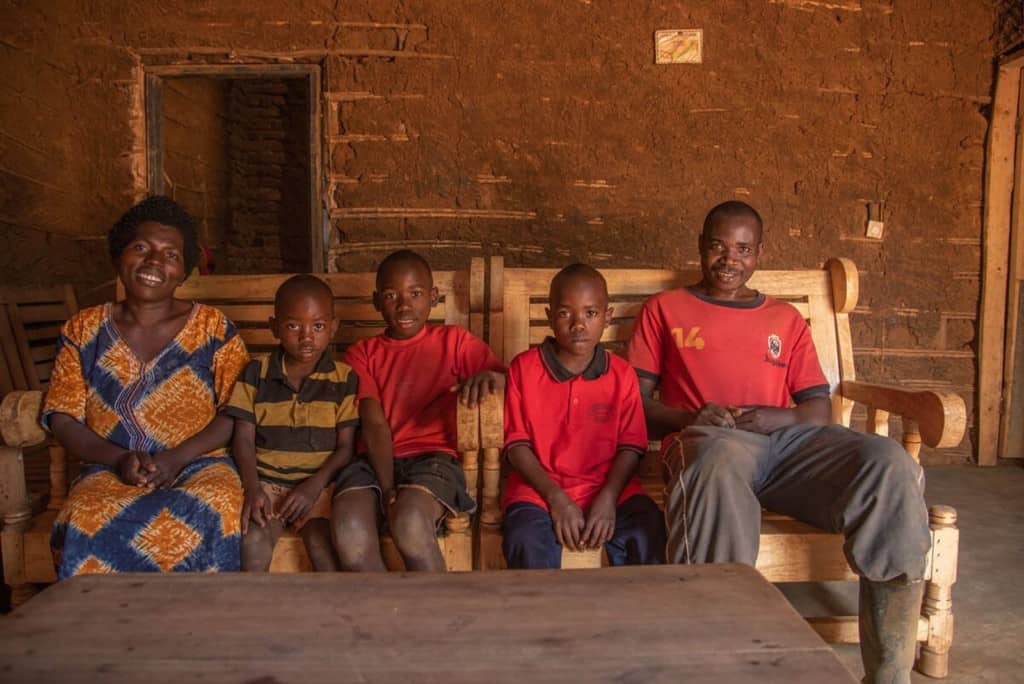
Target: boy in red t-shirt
column 409, row 472
column 574, row 434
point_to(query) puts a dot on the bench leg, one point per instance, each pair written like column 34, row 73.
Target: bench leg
column 937, row 608
column 16, row 521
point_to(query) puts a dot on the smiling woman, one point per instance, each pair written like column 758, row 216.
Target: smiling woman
column 134, row 395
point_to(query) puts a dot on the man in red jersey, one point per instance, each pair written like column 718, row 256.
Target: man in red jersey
column 745, row 419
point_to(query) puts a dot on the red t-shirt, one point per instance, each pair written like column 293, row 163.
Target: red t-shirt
column 741, row 354
column 412, row 379
column 575, row 424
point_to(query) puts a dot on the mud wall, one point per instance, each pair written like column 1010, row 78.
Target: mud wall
column 196, row 154
column 545, row 132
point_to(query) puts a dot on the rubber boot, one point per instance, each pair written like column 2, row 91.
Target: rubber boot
column 888, row 629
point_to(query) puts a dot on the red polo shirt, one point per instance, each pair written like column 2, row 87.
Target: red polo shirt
column 412, row 379
column 574, row 424
column 729, row 353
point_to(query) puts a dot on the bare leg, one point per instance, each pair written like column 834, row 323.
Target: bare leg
column 258, row 545
column 413, row 519
column 316, row 535
column 355, row 531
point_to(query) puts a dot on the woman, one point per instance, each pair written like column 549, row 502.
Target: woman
column 134, row 394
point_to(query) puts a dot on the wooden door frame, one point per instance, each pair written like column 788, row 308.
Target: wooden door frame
column 153, row 97
column 1002, row 258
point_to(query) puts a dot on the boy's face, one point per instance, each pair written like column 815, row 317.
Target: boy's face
column 304, row 323
column 728, row 254
column 578, row 313
column 404, row 297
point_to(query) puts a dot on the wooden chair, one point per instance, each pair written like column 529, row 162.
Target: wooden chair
column 248, row 301
column 30, row 322
column 789, row 550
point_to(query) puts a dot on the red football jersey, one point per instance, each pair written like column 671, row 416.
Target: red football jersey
column 736, row 353
column 574, row 424
column 412, row 379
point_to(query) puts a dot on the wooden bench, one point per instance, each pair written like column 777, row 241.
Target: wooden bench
column 248, row 301
column 790, row 550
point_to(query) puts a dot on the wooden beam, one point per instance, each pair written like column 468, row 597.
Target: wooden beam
column 996, row 245
column 1015, row 278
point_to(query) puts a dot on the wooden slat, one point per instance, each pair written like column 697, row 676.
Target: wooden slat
column 21, row 341
column 56, row 294
column 43, row 313
column 15, row 373
column 343, row 311
column 46, row 332
column 995, row 240
column 43, row 353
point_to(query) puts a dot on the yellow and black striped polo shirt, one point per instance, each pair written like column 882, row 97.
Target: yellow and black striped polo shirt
column 296, row 431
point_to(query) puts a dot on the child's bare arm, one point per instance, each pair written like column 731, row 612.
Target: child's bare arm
column 566, row 517
column 243, row 450
column 301, row 499
column 600, row 525
column 379, row 445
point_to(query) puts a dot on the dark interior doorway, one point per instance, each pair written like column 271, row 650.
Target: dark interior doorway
column 239, row 150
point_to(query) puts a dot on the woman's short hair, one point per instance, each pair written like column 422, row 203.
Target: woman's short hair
column 156, row 209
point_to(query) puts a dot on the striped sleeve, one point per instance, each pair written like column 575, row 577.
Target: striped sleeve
column 348, row 404
column 242, row 403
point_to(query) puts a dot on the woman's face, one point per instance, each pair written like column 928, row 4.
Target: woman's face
column 152, row 265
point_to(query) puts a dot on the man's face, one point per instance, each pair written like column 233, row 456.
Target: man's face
column 728, row 254
column 578, row 314
column 405, row 294
column 304, row 324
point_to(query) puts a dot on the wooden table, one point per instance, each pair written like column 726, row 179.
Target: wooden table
column 713, row 623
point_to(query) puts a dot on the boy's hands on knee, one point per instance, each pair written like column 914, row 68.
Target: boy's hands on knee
column 257, row 506
column 600, row 525
column 568, row 520
column 300, row 500
column 477, row 388
column 713, row 414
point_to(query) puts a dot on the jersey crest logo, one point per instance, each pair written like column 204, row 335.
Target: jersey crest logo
column 774, row 345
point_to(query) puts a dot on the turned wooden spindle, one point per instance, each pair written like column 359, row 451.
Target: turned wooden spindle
column 938, row 594
column 471, row 469
column 877, row 422
column 58, row 478
column 491, row 513
column 912, row 439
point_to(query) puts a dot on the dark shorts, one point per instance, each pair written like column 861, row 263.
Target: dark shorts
column 438, row 473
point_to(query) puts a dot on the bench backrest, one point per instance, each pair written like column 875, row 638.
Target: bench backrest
column 824, row 297
column 248, row 300
column 30, row 322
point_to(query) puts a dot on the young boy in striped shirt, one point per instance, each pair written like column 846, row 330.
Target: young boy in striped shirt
column 295, row 418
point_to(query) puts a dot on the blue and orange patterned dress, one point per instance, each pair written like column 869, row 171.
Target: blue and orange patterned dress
column 109, row 526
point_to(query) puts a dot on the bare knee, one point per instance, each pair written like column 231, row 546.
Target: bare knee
column 257, row 549
column 316, row 537
column 413, row 523
column 354, row 530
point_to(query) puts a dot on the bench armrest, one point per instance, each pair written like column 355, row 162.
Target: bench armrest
column 19, row 419
column 941, row 416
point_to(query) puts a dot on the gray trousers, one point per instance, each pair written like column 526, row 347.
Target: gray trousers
column 864, row 486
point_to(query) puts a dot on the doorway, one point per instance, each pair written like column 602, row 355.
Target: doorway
column 1000, row 415
column 239, row 148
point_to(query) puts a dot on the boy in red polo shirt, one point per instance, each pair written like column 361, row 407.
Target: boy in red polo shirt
column 409, row 472
column 574, row 435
